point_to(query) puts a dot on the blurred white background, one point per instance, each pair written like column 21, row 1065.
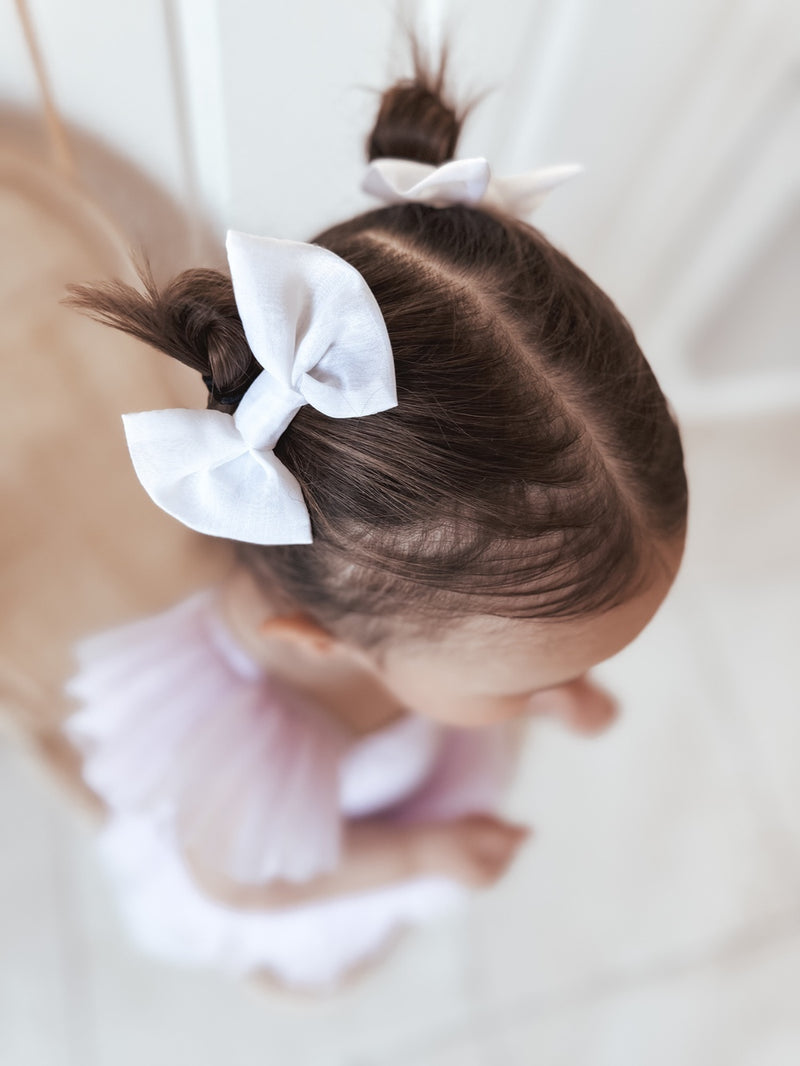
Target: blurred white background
column 656, row 916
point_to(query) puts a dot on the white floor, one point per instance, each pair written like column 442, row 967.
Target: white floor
column 654, row 919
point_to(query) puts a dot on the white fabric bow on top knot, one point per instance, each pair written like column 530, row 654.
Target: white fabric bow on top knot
column 463, row 181
column 313, row 323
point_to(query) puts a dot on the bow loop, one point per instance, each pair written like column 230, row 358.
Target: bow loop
column 398, row 180
column 311, row 320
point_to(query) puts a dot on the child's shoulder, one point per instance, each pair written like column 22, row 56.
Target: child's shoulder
column 175, row 721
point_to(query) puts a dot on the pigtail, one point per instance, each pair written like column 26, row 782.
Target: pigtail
column 193, row 319
column 416, row 119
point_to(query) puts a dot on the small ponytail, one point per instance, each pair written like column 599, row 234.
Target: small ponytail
column 193, row 318
column 416, row 120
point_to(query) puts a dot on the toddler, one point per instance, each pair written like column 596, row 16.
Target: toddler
column 451, row 484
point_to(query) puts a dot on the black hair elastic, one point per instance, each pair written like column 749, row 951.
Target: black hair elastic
column 227, row 398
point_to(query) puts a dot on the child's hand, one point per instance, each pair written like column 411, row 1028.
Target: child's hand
column 475, row 850
column 581, row 705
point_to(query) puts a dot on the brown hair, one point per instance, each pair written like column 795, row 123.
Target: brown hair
column 532, row 463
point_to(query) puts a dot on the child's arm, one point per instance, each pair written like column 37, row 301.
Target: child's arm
column 475, row 850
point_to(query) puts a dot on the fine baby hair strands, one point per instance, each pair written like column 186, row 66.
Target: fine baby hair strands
column 531, row 467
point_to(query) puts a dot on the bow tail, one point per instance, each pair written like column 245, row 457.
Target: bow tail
column 520, row 194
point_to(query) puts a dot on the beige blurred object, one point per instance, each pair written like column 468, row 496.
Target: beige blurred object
column 82, row 547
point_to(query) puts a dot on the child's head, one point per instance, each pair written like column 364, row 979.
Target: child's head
column 528, row 490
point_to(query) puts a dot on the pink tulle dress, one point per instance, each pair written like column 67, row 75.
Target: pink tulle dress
column 191, row 743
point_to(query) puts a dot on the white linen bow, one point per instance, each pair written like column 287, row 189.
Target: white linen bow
column 313, row 323
column 463, row 181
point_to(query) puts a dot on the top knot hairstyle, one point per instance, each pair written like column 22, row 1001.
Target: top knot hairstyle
column 532, row 464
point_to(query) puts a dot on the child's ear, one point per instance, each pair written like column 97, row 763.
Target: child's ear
column 299, row 628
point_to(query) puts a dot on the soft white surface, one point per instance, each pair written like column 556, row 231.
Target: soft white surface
column 655, row 916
